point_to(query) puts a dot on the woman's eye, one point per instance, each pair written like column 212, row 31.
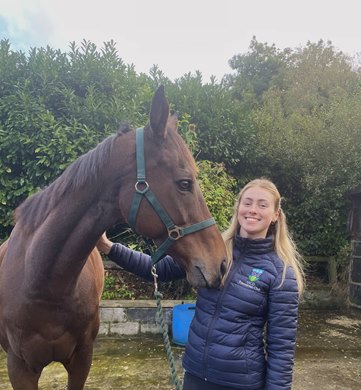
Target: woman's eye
column 185, row 185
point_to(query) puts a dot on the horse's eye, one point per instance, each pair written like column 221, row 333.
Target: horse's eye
column 185, row 185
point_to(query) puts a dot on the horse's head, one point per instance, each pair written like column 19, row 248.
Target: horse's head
column 170, row 173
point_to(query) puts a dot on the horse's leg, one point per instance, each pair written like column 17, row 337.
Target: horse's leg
column 79, row 366
column 20, row 375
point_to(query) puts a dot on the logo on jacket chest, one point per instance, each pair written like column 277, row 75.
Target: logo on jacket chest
column 252, row 278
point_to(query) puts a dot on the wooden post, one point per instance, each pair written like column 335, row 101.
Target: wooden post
column 354, row 227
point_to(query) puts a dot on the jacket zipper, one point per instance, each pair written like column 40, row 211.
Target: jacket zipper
column 215, row 316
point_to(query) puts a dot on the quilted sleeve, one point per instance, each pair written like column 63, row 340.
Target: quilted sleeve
column 281, row 331
column 141, row 264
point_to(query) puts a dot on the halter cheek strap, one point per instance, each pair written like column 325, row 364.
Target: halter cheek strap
column 142, row 189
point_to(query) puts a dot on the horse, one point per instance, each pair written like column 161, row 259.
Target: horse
column 51, row 274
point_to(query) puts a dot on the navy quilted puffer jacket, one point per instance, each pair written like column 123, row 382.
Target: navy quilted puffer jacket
column 226, row 338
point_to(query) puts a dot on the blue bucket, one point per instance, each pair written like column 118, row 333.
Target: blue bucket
column 182, row 317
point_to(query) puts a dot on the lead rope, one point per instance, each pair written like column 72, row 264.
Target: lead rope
column 164, row 328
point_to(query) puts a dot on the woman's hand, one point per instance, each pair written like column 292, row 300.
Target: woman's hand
column 104, row 244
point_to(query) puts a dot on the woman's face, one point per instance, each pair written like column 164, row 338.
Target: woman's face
column 256, row 211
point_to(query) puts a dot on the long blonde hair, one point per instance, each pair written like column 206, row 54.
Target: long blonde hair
column 283, row 243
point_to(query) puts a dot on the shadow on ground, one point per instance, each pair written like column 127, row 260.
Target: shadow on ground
column 328, row 357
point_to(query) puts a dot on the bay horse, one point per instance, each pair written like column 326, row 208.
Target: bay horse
column 51, row 274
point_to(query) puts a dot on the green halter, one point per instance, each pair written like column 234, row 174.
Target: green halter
column 142, row 189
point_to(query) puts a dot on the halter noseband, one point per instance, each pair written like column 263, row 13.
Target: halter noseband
column 142, row 189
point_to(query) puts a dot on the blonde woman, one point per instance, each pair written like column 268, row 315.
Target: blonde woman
column 243, row 335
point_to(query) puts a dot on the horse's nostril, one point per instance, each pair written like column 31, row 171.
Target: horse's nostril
column 223, row 267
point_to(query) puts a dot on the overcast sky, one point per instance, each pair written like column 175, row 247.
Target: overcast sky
column 181, row 36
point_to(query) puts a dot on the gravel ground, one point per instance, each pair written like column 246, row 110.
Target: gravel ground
column 328, row 352
column 328, row 357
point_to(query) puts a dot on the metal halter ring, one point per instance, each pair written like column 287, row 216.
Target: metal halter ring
column 141, row 182
column 175, row 233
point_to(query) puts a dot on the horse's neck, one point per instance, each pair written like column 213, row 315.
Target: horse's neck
column 61, row 245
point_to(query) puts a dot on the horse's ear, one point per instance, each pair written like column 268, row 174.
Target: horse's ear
column 159, row 113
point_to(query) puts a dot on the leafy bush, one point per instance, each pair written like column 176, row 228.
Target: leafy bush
column 218, row 188
column 116, row 288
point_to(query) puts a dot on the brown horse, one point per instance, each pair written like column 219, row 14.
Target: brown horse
column 51, row 277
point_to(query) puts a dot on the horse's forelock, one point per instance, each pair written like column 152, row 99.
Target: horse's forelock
column 124, row 128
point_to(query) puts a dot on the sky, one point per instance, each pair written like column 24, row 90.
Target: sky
column 181, row 36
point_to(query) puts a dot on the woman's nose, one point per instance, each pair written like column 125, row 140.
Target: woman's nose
column 253, row 209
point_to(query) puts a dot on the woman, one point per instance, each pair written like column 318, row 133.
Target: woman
column 243, row 335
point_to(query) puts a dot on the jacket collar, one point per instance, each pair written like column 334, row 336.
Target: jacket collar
column 258, row 246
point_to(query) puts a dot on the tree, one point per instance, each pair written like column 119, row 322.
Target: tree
column 255, row 71
column 308, row 128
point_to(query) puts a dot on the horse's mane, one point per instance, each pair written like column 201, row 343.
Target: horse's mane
column 85, row 169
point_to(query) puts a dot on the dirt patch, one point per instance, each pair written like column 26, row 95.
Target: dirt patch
column 328, row 355
column 327, row 374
